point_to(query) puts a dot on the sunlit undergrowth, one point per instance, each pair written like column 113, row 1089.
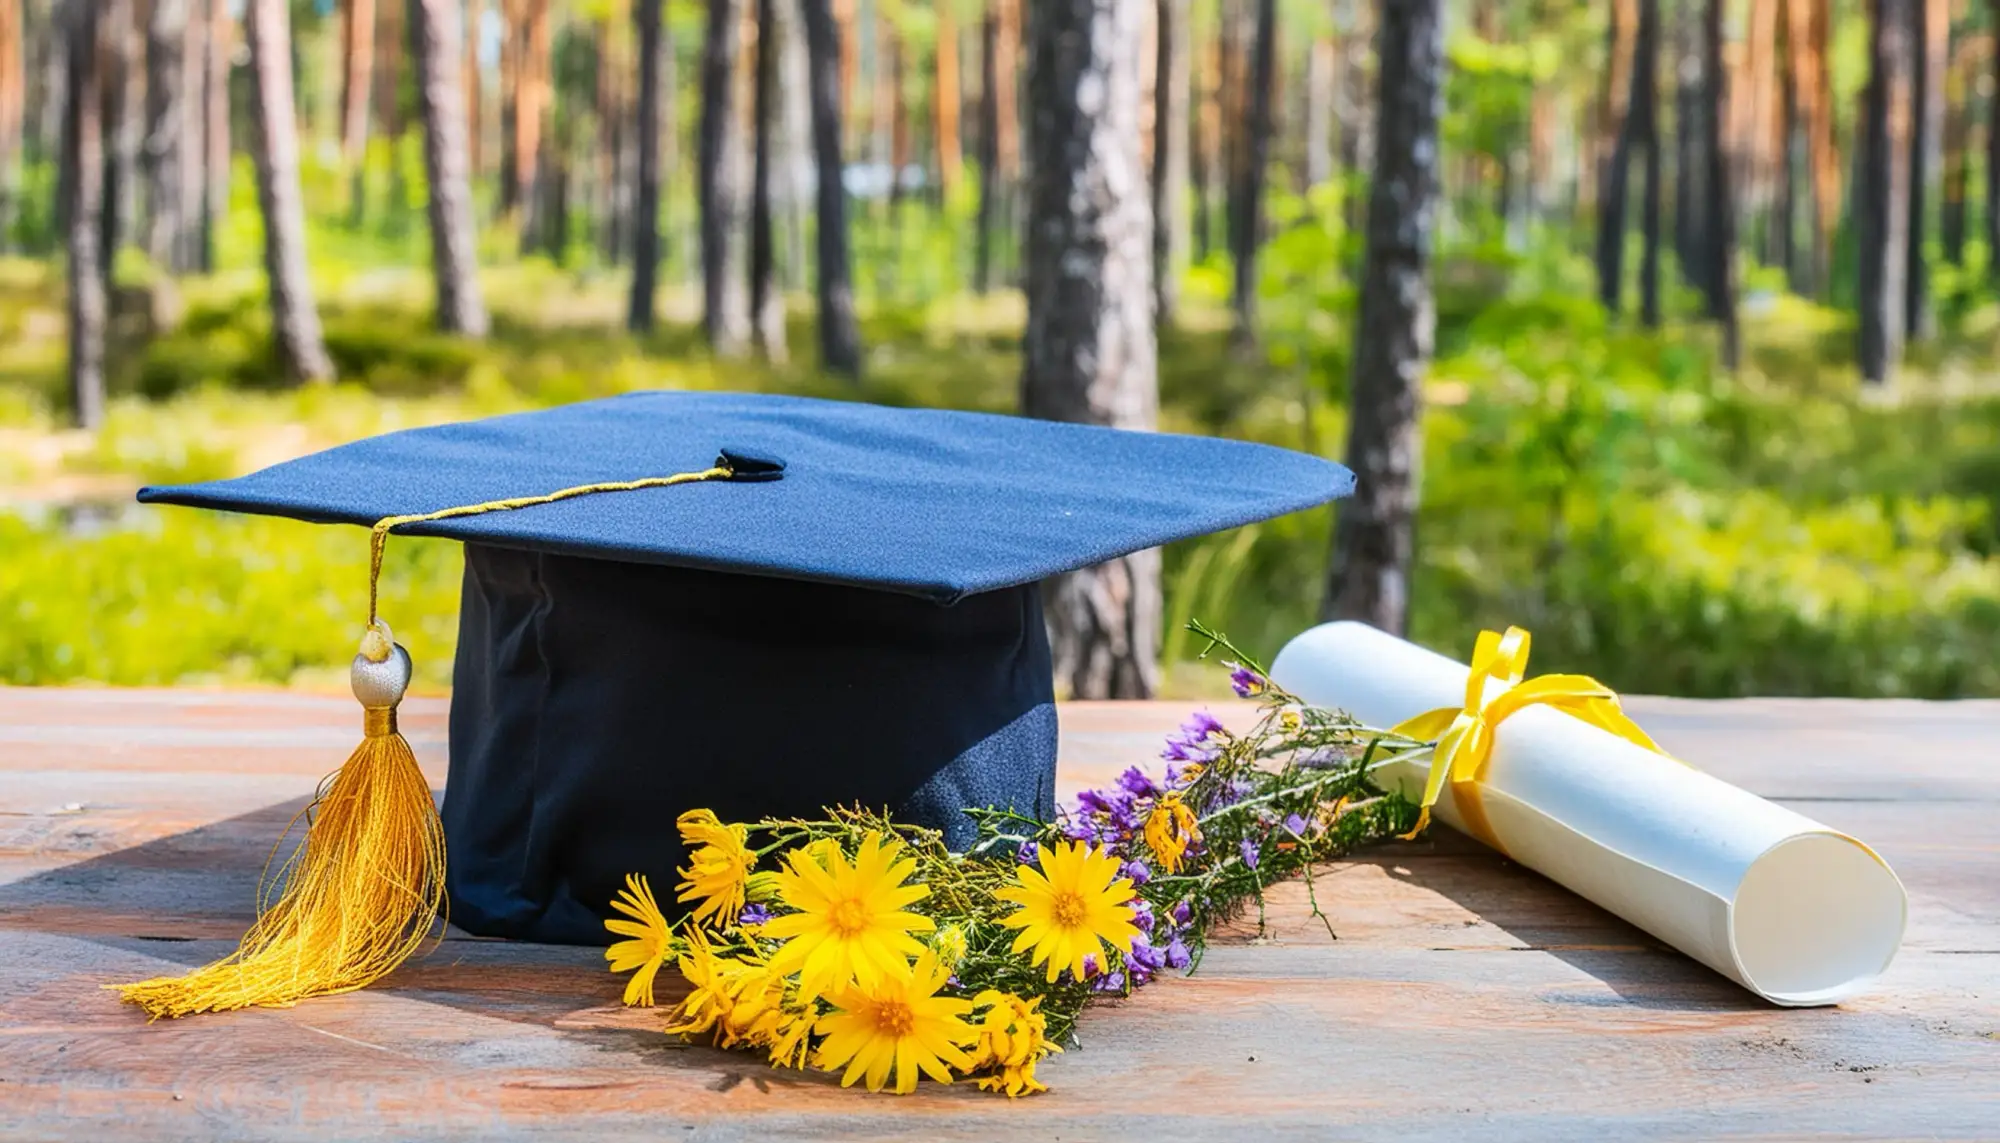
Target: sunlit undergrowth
column 1658, row 524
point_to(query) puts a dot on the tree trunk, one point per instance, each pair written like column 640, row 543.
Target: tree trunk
column 531, row 99
column 1375, row 537
column 1882, row 199
column 13, row 114
column 945, row 99
column 295, row 330
column 1690, row 149
column 1205, row 147
column 1720, row 210
column 1930, row 24
column 1089, row 352
column 767, row 302
column 119, row 38
column 1646, row 125
column 725, row 315
column 1317, row 122
column 216, row 51
column 357, row 32
column 1170, row 158
column 1957, row 164
column 1612, row 182
column 434, row 35
column 1256, row 157
column 989, row 147
column 168, row 147
column 474, row 90
column 1993, row 156
column 83, row 151
column 1356, row 125
column 1885, row 186
column 839, row 334
column 646, row 230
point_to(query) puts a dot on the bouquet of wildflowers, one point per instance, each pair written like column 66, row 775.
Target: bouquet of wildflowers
column 860, row 945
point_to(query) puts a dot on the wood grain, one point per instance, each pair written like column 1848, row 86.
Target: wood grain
column 1463, row 994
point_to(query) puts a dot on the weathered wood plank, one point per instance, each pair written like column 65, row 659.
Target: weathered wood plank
column 1463, row 994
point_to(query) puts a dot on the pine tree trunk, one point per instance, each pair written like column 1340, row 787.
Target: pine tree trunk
column 1374, row 538
column 1720, row 210
column 1993, row 156
column 13, row 115
column 532, row 99
column 1170, row 158
column 357, row 76
column 839, row 334
column 1318, row 118
column 1646, row 125
column 945, row 98
column 167, row 147
column 1205, row 147
column 474, row 94
column 1930, row 25
column 1249, row 229
column 1613, row 181
column 295, row 329
column 434, row 35
column 989, row 147
column 1882, row 198
column 216, row 51
column 725, row 315
column 639, row 314
column 1690, row 150
column 83, row 152
column 767, row 302
column 119, row 39
column 1957, row 166
column 1089, row 354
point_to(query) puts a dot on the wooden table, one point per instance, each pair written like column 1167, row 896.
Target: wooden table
column 1464, row 996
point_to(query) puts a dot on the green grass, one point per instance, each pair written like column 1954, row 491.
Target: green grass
column 1658, row 524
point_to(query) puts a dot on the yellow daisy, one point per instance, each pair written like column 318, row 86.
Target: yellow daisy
column 651, row 943
column 898, row 1024
column 1076, row 901
column 1012, row 1039
column 718, row 869
column 713, row 995
column 850, row 925
column 1170, row 829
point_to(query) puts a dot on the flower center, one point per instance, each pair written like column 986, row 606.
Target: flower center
column 894, row 1018
column 849, row 917
column 1069, row 908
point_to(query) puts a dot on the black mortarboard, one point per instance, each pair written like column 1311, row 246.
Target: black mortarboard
column 835, row 603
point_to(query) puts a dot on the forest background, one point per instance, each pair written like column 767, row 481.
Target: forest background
column 1708, row 401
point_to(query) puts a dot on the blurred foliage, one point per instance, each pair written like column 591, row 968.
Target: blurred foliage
column 1657, row 523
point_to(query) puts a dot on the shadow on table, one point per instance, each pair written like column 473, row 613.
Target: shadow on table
column 1546, row 918
column 185, row 900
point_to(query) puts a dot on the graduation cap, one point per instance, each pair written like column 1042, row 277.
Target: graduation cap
column 755, row 604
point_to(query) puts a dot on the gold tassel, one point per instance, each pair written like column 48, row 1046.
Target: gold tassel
column 363, row 892
column 359, row 897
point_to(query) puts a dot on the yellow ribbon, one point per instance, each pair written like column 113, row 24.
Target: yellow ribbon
column 1463, row 736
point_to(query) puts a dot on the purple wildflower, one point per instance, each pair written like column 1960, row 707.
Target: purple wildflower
column 753, row 915
column 1199, row 726
column 1090, row 968
column 1296, row 825
column 1177, row 955
column 1249, row 851
column 1144, row 960
column 1137, row 871
column 1142, row 916
column 1245, row 681
column 1181, row 750
column 1028, row 854
column 1136, row 783
column 1182, row 912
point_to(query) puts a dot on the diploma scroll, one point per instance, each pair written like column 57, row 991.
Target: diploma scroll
column 1794, row 911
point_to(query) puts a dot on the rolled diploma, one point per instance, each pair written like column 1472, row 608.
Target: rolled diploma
column 1797, row 913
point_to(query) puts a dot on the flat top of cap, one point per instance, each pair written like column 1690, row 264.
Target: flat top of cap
column 927, row 502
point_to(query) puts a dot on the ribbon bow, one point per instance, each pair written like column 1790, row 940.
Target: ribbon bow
column 1463, row 737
